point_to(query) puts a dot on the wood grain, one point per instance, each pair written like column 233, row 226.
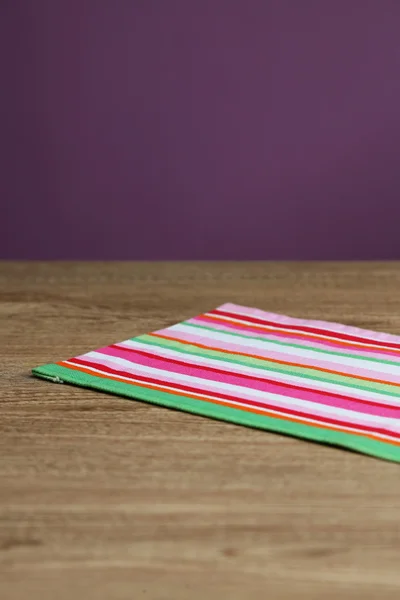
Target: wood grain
column 105, row 498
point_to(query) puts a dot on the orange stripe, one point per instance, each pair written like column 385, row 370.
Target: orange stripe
column 344, row 343
column 224, row 403
column 274, row 360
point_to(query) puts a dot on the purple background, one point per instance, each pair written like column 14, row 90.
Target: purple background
column 164, row 129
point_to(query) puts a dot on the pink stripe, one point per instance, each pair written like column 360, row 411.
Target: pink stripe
column 330, row 327
column 257, row 352
column 250, row 332
column 159, row 362
column 313, row 384
column 352, row 419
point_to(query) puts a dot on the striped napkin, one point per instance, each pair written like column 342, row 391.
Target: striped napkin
column 315, row 380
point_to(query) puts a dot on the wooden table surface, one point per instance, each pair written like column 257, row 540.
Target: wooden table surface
column 105, row 498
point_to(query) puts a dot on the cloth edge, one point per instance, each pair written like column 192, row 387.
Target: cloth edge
column 350, row 441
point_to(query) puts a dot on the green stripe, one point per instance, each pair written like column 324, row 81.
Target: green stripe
column 353, row 441
column 266, row 365
column 290, row 345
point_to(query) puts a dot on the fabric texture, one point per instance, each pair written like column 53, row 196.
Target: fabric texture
column 315, row 380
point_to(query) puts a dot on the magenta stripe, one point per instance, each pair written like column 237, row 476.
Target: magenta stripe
column 249, row 331
column 300, row 360
column 159, row 362
column 353, row 419
column 312, row 384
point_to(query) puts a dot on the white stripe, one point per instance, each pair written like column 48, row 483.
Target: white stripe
column 286, row 350
column 277, row 412
column 238, row 390
column 326, row 335
column 262, row 373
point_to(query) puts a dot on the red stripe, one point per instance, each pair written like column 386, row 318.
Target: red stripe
column 326, row 332
column 285, row 411
column 244, row 377
column 317, row 341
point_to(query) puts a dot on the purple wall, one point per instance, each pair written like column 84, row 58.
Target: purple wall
column 240, row 129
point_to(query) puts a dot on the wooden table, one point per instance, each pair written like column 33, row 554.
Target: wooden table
column 105, row 498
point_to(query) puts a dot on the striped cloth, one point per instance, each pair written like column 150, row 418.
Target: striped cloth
column 315, row 380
